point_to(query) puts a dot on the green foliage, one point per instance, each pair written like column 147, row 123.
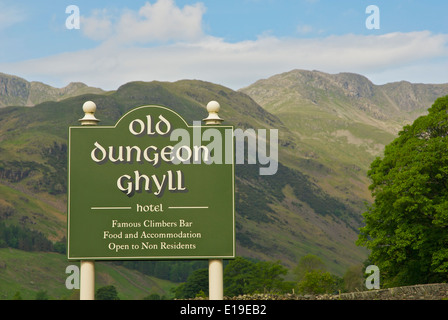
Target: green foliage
column 175, row 271
column 317, row 282
column 17, row 296
column 16, row 171
column 307, row 264
column 201, row 294
column 241, row 276
column 354, row 279
column 55, row 180
column 196, row 283
column 406, row 226
column 313, row 278
column 50, row 177
column 154, row 296
column 107, row 293
column 60, row 246
column 238, row 277
column 23, row 239
column 42, row 295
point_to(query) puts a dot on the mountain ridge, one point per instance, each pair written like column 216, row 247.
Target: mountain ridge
column 341, row 122
column 16, row 91
column 330, row 129
column 36, row 139
column 410, row 98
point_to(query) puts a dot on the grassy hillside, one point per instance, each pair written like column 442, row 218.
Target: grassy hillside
column 33, row 272
column 283, row 217
column 341, row 122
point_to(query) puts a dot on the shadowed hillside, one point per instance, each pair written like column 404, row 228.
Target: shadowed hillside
column 283, row 216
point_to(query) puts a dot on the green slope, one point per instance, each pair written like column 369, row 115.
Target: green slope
column 19, row 206
column 32, row 272
column 272, row 222
column 341, row 122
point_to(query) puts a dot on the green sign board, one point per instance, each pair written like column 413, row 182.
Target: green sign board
column 150, row 187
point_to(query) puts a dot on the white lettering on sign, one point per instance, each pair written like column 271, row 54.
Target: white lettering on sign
column 150, row 154
column 173, row 182
column 157, row 184
column 138, row 127
column 218, row 149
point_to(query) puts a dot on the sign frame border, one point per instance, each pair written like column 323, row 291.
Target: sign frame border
column 147, row 258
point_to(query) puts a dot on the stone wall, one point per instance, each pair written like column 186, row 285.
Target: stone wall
column 435, row 291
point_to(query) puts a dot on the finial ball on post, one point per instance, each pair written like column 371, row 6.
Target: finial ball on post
column 213, row 108
column 89, row 107
column 89, row 119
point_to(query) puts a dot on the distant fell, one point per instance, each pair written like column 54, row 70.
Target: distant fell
column 330, row 129
column 15, row 91
column 278, row 217
column 341, row 122
column 347, row 95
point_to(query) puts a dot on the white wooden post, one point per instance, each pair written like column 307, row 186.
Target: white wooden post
column 215, row 266
column 87, row 282
column 215, row 280
column 87, row 269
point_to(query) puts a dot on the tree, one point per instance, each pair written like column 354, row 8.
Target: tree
column 317, row 282
column 406, row 226
column 196, row 282
column 269, row 276
column 153, row 296
column 354, row 279
column 313, row 278
column 242, row 276
column 107, row 293
column 308, row 263
column 238, row 276
column 61, row 246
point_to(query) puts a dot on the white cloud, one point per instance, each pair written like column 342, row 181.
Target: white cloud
column 183, row 51
column 10, row 15
column 162, row 21
column 304, row 29
column 98, row 26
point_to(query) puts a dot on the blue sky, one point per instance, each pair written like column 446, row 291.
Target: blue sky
column 233, row 43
